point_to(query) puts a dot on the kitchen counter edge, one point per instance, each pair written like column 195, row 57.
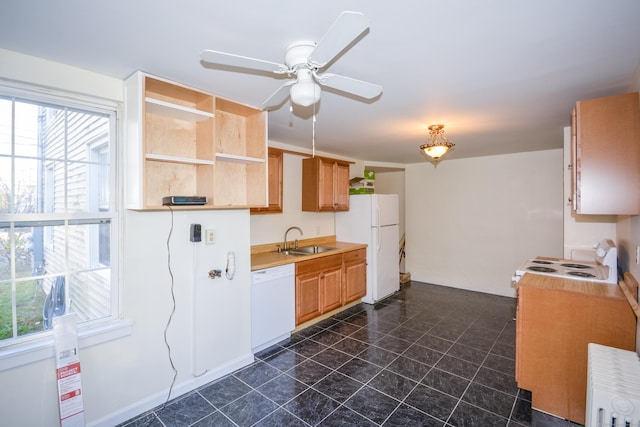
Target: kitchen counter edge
column 586, row 287
column 265, row 256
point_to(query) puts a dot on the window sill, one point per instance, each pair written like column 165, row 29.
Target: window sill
column 24, row 354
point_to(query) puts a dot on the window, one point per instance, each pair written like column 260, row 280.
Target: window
column 58, row 219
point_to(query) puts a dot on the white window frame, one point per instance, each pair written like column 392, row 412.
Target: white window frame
column 40, row 346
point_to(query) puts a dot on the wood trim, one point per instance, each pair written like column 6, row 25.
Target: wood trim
column 307, row 155
column 630, row 290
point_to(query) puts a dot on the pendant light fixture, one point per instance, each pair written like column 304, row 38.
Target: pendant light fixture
column 437, row 144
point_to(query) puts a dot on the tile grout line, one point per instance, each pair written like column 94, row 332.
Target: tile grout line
column 474, row 377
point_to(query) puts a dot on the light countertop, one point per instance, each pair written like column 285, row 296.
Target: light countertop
column 265, row 256
column 586, row 287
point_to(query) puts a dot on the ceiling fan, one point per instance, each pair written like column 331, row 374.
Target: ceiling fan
column 303, row 63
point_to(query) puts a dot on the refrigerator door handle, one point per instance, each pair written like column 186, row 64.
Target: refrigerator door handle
column 378, row 228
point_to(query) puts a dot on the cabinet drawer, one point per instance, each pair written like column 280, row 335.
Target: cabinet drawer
column 319, row 264
column 356, row 256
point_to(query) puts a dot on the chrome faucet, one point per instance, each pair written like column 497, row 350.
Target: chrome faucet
column 287, row 232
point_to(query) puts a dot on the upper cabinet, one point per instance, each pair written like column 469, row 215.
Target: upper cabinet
column 275, row 160
column 606, row 155
column 325, row 185
column 184, row 142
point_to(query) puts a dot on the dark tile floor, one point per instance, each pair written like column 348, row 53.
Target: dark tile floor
column 427, row 356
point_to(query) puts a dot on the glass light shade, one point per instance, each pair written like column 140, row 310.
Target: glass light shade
column 435, row 151
column 305, row 93
column 437, row 144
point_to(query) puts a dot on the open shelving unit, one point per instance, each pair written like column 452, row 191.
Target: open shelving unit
column 185, row 142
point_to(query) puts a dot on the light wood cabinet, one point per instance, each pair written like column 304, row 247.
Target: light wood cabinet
column 354, row 275
column 606, row 155
column 275, row 160
column 185, row 142
column 325, row 185
column 326, row 283
column 554, row 325
column 318, row 287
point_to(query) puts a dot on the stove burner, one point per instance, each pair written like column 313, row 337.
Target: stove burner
column 542, row 269
column 538, row 261
column 576, row 265
column 580, row 274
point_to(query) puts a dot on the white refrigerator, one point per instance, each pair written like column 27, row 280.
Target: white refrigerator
column 373, row 219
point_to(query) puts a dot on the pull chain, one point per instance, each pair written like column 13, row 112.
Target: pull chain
column 313, row 129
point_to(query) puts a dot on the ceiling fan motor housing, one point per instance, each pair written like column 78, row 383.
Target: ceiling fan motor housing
column 297, row 54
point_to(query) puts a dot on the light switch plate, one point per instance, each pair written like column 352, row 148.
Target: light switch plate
column 210, row 236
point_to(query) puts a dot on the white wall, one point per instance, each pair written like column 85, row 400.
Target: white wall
column 124, row 377
column 270, row 228
column 472, row 222
column 628, row 227
column 24, row 68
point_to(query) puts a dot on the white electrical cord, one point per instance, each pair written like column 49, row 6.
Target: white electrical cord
column 231, row 265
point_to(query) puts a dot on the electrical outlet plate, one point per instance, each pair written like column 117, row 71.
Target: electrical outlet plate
column 209, row 236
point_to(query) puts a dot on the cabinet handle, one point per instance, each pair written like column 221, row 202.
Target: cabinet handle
column 569, row 200
column 322, row 276
column 569, row 166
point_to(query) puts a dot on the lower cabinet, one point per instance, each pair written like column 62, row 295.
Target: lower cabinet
column 326, row 283
column 355, row 275
column 553, row 329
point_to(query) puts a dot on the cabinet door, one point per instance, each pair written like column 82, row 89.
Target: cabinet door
column 331, row 282
column 275, row 165
column 543, row 353
column 608, row 155
column 573, row 196
column 326, row 185
column 341, row 187
column 307, row 297
column 355, row 275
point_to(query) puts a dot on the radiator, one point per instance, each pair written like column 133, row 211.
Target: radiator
column 613, row 387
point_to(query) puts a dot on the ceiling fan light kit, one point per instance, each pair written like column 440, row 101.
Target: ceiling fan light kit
column 304, row 60
column 306, row 91
column 437, row 144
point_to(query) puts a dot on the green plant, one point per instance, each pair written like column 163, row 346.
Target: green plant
column 29, row 302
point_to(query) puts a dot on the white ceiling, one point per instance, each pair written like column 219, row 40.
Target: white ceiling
column 502, row 75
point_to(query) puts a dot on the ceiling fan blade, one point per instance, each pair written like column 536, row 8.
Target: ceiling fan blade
column 231, row 60
column 345, row 29
column 346, row 84
column 279, row 96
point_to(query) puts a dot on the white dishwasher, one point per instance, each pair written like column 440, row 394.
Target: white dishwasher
column 272, row 305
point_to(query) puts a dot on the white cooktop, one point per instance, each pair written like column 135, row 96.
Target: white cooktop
column 576, row 270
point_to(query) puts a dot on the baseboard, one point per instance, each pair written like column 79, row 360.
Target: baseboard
column 157, row 399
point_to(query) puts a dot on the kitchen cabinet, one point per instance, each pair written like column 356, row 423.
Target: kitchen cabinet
column 556, row 319
column 605, row 155
column 275, row 173
column 325, row 185
column 318, row 286
column 354, row 275
column 185, row 142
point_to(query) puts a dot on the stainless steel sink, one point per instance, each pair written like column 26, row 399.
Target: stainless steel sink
column 313, row 249
column 291, row 252
column 307, row 250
